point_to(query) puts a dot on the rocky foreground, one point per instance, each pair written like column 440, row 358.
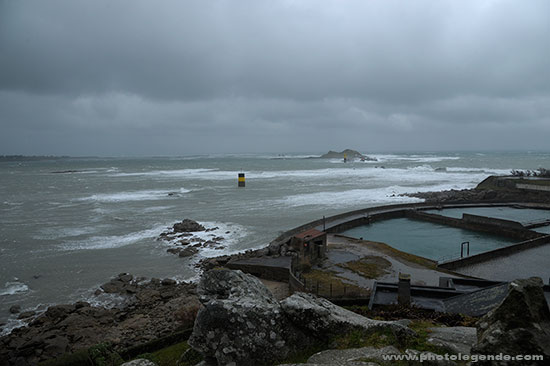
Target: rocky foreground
column 241, row 323
column 237, row 321
column 153, row 309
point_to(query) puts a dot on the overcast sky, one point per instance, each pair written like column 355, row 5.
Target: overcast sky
column 132, row 77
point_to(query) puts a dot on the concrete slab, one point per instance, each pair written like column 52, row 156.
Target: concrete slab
column 457, row 339
column 525, row 264
column 477, row 303
column 343, row 249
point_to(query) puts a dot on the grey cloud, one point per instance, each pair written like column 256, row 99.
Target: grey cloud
column 220, row 74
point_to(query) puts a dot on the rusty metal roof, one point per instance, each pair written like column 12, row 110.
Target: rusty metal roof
column 309, row 234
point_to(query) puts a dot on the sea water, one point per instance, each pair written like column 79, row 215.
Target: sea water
column 63, row 234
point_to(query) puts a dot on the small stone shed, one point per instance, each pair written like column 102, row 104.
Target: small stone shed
column 310, row 244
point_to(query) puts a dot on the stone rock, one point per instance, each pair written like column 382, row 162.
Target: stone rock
column 455, row 339
column 352, row 356
column 188, row 252
column 15, row 309
column 157, row 310
column 112, row 287
column 428, row 358
column 125, row 277
column 348, row 153
column 173, row 250
column 81, row 304
column 350, row 363
column 56, row 345
column 139, row 362
column 26, row 314
column 187, row 226
column 323, row 319
column 168, row 282
column 241, row 322
column 124, row 283
column 519, row 325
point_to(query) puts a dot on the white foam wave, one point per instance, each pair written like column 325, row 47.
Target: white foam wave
column 413, row 158
column 52, row 233
column 7, row 203
column 114, row 241
column 480, row 170
column 157, row 208
column 145, row 195
column 106, row 300
column 416, row 173
column 10, row 325
column 361, row 197
column 346, row 198
column 13, row 287
column 166, row 173
column 13, row 323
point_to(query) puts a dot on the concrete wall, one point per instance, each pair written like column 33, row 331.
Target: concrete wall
column 500, row 252
column 294, row 284
column 368, row 218
column 499, row 227
column 348, row 220
column 491, row 221
column 533, row 187
column 351, row 219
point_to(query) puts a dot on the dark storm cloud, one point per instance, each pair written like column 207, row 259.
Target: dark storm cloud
column 138, row 77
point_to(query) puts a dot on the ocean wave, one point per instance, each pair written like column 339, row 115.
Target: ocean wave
column 342, row 171
column 11, row 324
column 413, row 158
column 166, row 173
column 52, row 233
column 13, row 288
column 113, row 241
column 354, row 197
column 8, row 203
column 145, row 195
column 480, row 170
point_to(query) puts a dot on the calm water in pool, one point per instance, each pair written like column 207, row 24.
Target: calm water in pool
column 426, row 239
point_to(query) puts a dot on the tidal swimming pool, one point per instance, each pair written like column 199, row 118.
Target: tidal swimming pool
column 522, row 215
column 434, row 241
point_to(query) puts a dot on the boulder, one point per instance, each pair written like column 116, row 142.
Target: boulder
column 241, row 322
column 352, row 356
column 427, row 358
column 124, row 283
column 125, row 277
column 168, row 282
column 323, row 319
column 15, row 309
column 455, row 339
column 139, row 362
column 188, row 252
column 187, row 225
column 26, row 314
column 519, row 325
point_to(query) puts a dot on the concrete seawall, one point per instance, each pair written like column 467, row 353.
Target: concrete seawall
column 351, row 219
column 500, row 227
column 492, row 254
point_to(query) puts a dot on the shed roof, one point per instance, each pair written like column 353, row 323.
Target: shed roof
column 310, row 234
